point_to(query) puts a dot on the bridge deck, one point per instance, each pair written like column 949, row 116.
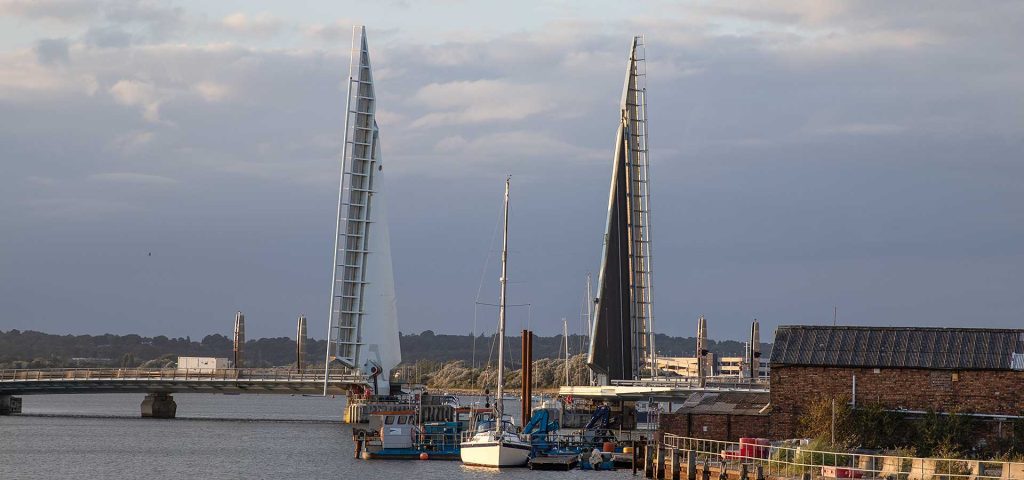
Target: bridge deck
column 666, row 388
column 173, row 380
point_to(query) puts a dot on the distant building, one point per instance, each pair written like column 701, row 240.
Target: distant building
column 720, row 366
column 968, row 370
column 732, row 366
column 681, row 366
column 203, row 364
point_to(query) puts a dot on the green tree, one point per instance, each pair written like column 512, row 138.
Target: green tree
column 877, row 427
column 949, row 434
column 826, row 415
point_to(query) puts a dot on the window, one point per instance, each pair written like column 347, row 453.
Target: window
column 1017, row 361
column 389, row 420
column 401, row 419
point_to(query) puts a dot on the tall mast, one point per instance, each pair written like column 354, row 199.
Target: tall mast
column 499, row 402
column 590, row 321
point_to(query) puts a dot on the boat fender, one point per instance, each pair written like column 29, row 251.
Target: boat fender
column 596, row 458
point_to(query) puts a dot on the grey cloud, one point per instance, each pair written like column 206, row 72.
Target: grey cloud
column 52, row 50
column 108, row 37
column 132, row 178
column 149, row 21
column 110, row 23
column 62, row 10
column 330, row 33
column 261, row 25
column 788, row 175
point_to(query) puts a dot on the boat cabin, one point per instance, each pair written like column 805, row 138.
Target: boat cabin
column 397, row 429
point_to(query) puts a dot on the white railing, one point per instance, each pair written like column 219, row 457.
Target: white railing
column 709, row 383
column 781, row 459
column 177, row 374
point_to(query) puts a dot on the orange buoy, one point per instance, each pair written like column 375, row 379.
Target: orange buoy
column 424, row 456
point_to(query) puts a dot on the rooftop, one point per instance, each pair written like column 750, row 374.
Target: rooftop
column 722, row 403
column 899, row 347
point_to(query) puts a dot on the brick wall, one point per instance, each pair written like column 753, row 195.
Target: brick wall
column 972, row 391
column 715, row 426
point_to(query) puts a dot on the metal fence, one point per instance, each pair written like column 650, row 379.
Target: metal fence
column 176, row 374
column 787, row 459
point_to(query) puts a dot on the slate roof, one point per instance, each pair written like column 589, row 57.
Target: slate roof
column 725, row 403
column 898, row 347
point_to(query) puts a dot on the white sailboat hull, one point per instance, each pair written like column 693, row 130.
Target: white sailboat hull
column 489, row 450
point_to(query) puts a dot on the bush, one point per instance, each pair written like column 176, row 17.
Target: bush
column 950, row 433
column 877, row 428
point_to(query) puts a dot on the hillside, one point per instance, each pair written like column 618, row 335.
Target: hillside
column 31, row 349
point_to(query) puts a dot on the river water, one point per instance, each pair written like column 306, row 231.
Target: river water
column 100, row 436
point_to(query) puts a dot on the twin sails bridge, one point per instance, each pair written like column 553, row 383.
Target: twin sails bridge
column 363, row 337
column 363, row 340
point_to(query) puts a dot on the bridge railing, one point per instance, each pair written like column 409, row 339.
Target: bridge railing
column 178, row 374
column 709, row 383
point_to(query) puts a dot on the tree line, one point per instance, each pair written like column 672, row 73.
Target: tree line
column 426, row 351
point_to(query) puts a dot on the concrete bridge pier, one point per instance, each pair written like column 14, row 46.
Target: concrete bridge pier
column 9, row 404
column 159, row 405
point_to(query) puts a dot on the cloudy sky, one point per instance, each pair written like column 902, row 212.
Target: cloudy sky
column 868, row 155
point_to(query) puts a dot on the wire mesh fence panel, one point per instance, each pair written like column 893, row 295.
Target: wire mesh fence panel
column 789, row 460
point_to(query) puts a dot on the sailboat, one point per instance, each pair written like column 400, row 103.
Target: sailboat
column 499, row 446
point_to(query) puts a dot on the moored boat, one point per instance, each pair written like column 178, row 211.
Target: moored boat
column 494, row 448
column 500, row 446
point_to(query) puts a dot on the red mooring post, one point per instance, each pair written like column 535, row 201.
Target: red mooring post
column 529, row 369
column 527, row 376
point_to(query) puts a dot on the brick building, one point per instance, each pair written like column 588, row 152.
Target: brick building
column 967, row 370
column 720, row 416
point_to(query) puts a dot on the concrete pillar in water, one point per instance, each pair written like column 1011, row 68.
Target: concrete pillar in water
column 300, row 344
column 239, row 339
column 159, row 405
column 9, row 405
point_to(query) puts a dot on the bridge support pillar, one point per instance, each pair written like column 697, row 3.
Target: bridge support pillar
column 9, row 405
column 159, row 405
